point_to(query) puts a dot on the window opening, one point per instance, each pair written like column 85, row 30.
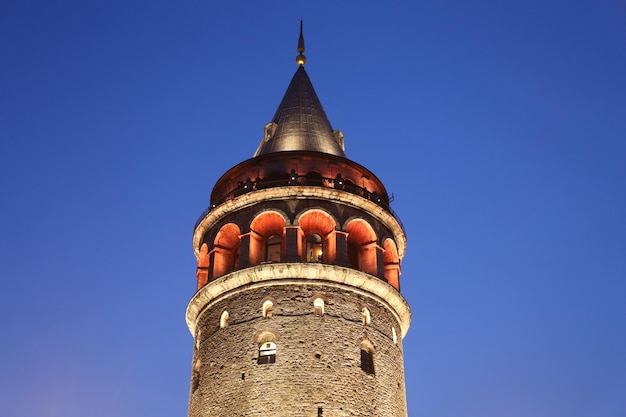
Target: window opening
column 224, row 319
column 272, row 248
column 314, row 248
column 320, row 411
column 367, row 318
column 267, row 353
column 394, row 335
column 267, row 309
column 195, row 377
column 367, row 361
column 198, row 337
column 318, row 306
column 314, row 178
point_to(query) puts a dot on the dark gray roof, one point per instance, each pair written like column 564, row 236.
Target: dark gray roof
column 300, row 123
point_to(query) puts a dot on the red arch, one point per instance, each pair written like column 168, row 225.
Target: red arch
column 316, row 221
column 362, row 246
column 226, row 249
column 392, row 263
column 202, row 273
column 262, row 227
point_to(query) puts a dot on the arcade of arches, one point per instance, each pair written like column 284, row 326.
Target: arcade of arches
column 314, row 237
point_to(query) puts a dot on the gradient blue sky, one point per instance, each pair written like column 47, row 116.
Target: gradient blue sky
column 499, row 126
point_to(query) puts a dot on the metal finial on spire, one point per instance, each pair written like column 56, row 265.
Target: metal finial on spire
column 301, row 59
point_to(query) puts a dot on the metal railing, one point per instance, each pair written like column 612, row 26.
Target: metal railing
column 293, row 179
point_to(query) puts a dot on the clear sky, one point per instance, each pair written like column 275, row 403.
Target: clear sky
column 499, row 127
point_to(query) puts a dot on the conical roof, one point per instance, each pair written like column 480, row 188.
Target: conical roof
column 300, row 123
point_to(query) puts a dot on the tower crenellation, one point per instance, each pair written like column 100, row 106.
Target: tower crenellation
column 298, row 310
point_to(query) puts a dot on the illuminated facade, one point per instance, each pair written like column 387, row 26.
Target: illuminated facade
column 298, row 310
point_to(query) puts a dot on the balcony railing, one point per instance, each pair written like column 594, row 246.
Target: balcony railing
column 293, row 179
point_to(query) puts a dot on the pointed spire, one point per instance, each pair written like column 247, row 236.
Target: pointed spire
column 301, row 59
column 300, row 122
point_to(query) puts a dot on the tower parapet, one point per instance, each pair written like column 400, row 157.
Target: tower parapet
column 298, row 308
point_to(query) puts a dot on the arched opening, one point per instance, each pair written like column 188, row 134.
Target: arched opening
column 226, row 250
column 367, row 357
column 202, row 273
column 366, row 316
column 195, row 375
column 362, row 246
column 268, row 307
column 317, row 231
column 314, row 178
column 197, row 338
column 318, row 306
column 266, row 237
column 273, row 179
column 224, row 319
column 267, row 353
column 392, row 263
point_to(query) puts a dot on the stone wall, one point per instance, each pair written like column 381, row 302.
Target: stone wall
column 318, row 358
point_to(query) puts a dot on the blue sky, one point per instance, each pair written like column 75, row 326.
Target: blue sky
column 499, row 127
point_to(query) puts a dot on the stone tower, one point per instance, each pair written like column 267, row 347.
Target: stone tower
column 298, row 311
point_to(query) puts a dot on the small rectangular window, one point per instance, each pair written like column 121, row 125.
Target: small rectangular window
column 273, row 246
column 267, row 353
column 367, row 361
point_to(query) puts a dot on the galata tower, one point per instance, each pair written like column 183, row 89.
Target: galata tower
column 298, row 311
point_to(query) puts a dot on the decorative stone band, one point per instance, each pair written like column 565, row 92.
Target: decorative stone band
column 272, row 275
column 300, row 192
